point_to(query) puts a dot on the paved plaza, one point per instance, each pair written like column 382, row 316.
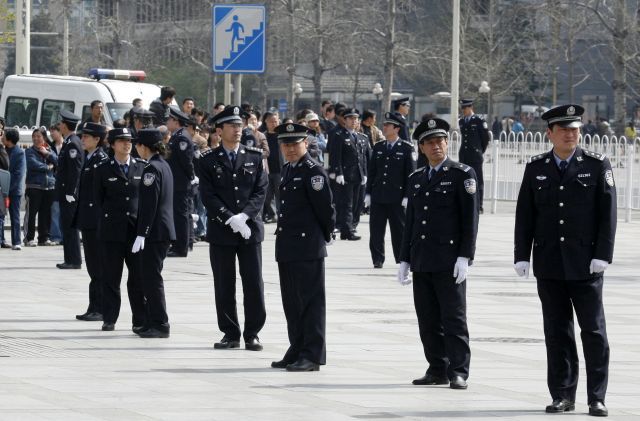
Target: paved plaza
column 53, row 367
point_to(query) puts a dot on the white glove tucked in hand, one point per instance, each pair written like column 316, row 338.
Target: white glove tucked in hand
column 403, row 273
column 70, row 198
column 461, row 269
column 522, row 269
column 340, row 179
column 367, row 200
column 364, row 180
column 195, row 180
column 245, row 231
column 237, row 221
column 598, row 266
column 138, row 245
column 405, row 200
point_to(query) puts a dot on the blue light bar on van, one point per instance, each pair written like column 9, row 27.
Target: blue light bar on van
column 134, row 75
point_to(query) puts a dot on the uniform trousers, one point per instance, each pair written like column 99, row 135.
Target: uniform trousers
column 347, row 206
column 379, row 214
column 273, row 192
column 559, row 299
column 70, row 235
column 116, row 254
column 181, row 221
column 303, row 300
column 223, row 265
column 152, row 260
column 93, row 256
column 441, row 307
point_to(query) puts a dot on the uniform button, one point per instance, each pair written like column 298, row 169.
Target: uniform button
column 426, row 207
column 423, row 236
column 385, row 174
column 90, row 204
column 427, row 194
column 235, row 188
column 561, row 221
column 561, row 187
column 424, row 222
column 386, row 166
column 450, row 241
column 280, row 229
column 384, row 182
column 284, row 188
column 234, row 176
column 561, row 238
column 127, row 198
column 303, row 234
column 106, row 214
column 561, row 204
column 126, row 184
column 127, row 213
column 282, row 202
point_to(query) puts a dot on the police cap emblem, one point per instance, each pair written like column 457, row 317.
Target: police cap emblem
column 470, row 185
column 289, row 127
column 317, row 182
column 571, row 110
column 608, row 177
column 431, row 124
column 148, row 179
column 236, row 111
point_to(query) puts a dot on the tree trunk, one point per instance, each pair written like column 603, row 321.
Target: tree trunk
column 389, row 55
column 291, row 68
column 318, row 60
column 619, row 83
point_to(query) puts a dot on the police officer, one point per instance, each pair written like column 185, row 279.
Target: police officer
column 154, row 229
column 475, row 139
column 233, row 189
column 401, row 108
column 438, row 246
column 116, row 186
column 334, row 136
column 86, row 218
column 566, row 213
column 387, row 189
column 70, row 162
column 350, row 161
column 305, row 226
column 181, row 162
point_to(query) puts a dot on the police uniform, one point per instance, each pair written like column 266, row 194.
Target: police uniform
column 404, row 128
column 70, row 163
column 566, row 216
column 387, row 185
column 475, row 139
column 305, row 225
column 116, row 188
column 86, row 219
column 350, row 160
column 334, row 139
column 181, row 162
column 233, row 185
column 155, row 224
column 440, row 231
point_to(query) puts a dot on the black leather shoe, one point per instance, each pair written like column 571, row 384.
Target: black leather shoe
column 176, row 254
column 138, row 329
column 68, row 266
column 377, row 265
column 458, row 383
column 90, row 317
column 303, row 365
column 597, row 409
column 253, row 344
column 153, row 333
column 560, row 405
column 108, row 327
column 429, row 380
column 350, row 237
column 280, row 364
column 227, row 343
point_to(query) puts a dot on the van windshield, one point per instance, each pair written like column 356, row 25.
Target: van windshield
column 117, row 109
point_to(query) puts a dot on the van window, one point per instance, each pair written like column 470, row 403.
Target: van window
column 116, row 110
column 51, row 109
column 21, row 111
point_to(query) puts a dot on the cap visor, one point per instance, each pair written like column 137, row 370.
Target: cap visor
column 570, row 124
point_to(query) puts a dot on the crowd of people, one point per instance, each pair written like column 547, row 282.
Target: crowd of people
column 220, row 176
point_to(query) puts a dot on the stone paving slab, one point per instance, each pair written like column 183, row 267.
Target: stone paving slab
column 53, row 367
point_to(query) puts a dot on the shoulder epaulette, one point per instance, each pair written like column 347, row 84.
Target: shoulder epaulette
column 460, row 166
column 207, row 152
column 407, row 143
column 253, row 149
column 594, row 155
column 144, row 161
column 537, row 157
column 310, row 163
column 418, row 170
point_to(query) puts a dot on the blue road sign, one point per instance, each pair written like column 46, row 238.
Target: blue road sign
column 282, row 106
column 239, row 38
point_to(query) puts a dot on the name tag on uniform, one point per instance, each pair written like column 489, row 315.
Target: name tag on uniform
column 113, row 178
column 379, row 152
column 136, row 178
column 541, row 177
column 399, row 153
column 87, row 169
column 347, row 140
column 584, row 175
column 445, row 183
column 297, row 178
column 249, row 164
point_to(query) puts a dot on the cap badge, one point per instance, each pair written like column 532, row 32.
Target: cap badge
column 431, row 124
column 236, row 110
column 571, row 110
column 289, row 127
column 125, row 131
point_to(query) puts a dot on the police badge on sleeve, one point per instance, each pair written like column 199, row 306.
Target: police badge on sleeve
column 317, row 182
column 183, row 146
column 608, row 177
column 148, row 179
column 470, row 185
column 73, row 153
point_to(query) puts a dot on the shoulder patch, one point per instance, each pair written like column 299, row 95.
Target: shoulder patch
column 419, row 170
column 461, row 167
column 594, row 155
column 148, row 179
column 73, row 153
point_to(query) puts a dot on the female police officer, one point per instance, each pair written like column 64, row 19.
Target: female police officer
column 116, row 185
column 155, row 229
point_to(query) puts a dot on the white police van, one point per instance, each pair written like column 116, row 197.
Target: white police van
column 30, row 101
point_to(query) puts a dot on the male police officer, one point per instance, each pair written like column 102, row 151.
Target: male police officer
column 350, row 161
column 475, row 139
column 387, row 188
column 70, row 163
column 181, row 162
column 438, row 245
column 401, row 108
column 566, row 212
column 305, row 226
column 233, row 189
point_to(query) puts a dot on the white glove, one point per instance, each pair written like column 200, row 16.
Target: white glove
column 522, row 269
column 367, row 200
column 245, row 231
column 236, row 221
column 195, row 217
column 403, row 273
column 364, row 180
column 69, row 198
column 340, row 180
column 405, row 200
column 597, row 266
column 461, row 269
column 195, row 180
column 138, row 245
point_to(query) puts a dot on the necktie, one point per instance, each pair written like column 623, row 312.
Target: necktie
column 563, row 167
column 432, row 172
column 389, row 146
column 232, row 157
column 125, row 169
